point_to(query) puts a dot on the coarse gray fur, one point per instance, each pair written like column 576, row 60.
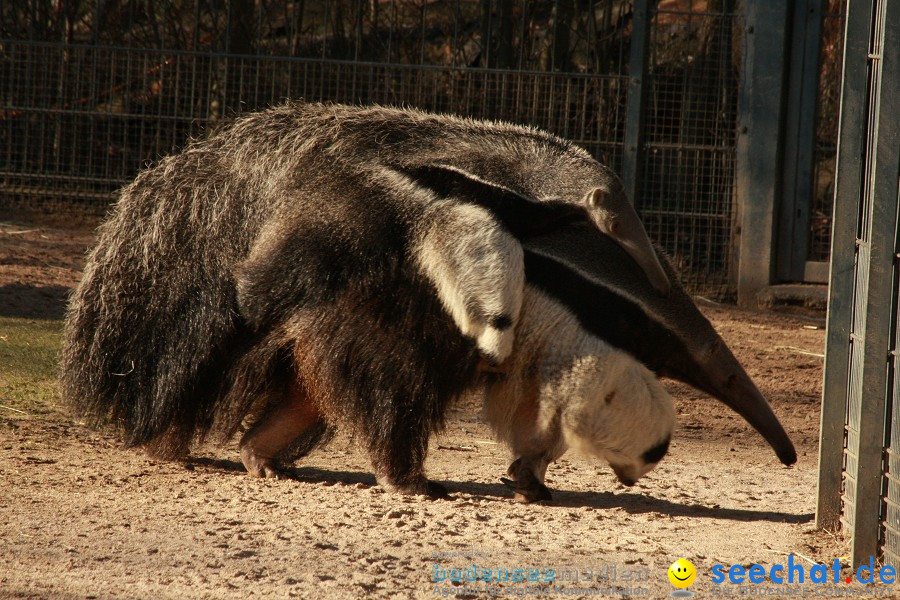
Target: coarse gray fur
column 279, row 265
column 231, row 270
column 529, row 161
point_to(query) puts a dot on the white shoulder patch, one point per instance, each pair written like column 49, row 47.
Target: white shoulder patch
column 478, row 270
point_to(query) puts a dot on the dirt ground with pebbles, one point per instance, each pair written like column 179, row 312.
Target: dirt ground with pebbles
column 81, row 517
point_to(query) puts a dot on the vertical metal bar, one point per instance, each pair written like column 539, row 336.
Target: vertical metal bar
column 800, row 141
column 593, row 54
column 524, row 44
column 455, row 50
column 325, row 29
column 257, row 44
column 884, row 126
column 228, row 17
column 759, row 145
column 422, row 24
column 95, row 25
column 358, row 32
column 848, row 183
column 637, row 94
column 554, row 32
column 488, row 41
column 195, row 46
column 393, row 24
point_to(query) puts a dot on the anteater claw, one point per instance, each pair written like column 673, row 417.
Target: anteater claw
column 534, row 491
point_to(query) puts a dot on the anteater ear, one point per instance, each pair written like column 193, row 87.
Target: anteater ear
column 595, row 198
column 616, row 217
column 522, row 215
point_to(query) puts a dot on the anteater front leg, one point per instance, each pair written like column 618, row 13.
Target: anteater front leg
column 527, row 473
column 278, row 430
column 398, row 449
column 535, row 444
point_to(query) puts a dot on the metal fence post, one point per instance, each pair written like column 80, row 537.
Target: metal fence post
column 637, row 92
column 880, row 201
column 845, row 225
column 862, row 332
column 760, row 143
column 887, row 171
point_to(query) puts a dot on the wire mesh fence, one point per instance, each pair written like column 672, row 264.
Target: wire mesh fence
column 92, row 91
column 84, row 119
column 689, row 152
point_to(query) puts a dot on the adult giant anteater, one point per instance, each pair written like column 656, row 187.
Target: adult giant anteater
column 315, row 265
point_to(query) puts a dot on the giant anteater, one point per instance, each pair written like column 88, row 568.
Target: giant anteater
column 295, row 269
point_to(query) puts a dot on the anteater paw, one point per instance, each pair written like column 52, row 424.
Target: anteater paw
column 534, row 491
column 436, row 491
column 265, row 468
column 422, row 487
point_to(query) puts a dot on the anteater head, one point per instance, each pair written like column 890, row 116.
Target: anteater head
column 621, row 414
column 590, row 274
column 615, row 216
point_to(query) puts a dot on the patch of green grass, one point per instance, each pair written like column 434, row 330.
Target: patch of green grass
column 29, row 368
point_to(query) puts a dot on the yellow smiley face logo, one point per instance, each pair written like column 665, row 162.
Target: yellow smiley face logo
column 682, row 573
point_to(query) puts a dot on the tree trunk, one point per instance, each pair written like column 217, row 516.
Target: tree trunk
column 560, row 30
column 240, row 27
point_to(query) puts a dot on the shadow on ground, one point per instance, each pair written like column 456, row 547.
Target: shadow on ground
column 33, row 301
column 630, row 502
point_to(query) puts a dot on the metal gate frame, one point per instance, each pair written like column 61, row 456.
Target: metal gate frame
column 859, row 455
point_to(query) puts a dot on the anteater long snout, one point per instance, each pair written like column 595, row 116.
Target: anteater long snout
column 723, row 377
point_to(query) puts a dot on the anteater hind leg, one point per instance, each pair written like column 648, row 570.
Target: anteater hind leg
column 410, row 480
column 279, row 430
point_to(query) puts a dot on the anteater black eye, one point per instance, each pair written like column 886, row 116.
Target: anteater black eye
column 501, row 322
column 655, row 454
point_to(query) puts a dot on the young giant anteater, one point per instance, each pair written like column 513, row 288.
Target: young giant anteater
column 563, row 387
column 294, row 268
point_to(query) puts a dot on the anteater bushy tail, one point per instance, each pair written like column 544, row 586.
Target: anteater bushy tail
column 153, row 328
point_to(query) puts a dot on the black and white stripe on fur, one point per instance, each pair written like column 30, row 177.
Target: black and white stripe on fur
column 591, row 275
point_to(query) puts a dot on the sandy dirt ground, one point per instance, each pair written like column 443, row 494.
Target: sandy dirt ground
column 81, row 517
